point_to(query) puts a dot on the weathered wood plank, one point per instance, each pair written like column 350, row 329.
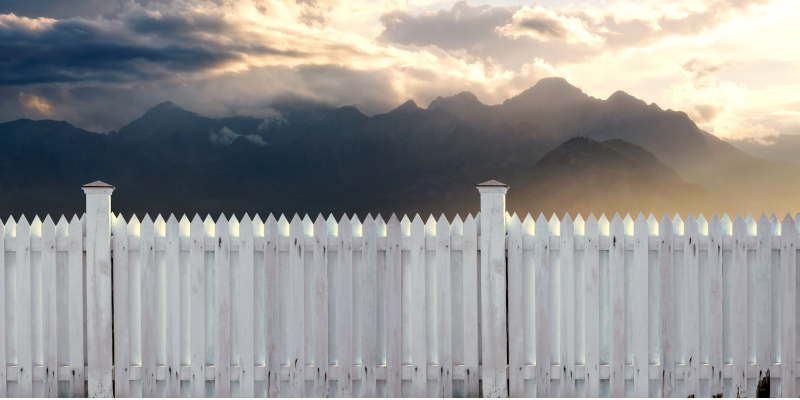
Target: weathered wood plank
column 419, row 378
column 246, row 300
column 321, row 300
column 369, row 307
column 344, row 307
column 616, row 268
column 739, row 341
column 592, row 306
column 222, row 308
column 297, row 307
column 76, row 320
column 23, row 309
column 197, row 288
column 715, row 339
column 273, row 316
column 3, row 377
column 542, row 288
column 666, row 306
column 471, row 310
column 567, row 254
column 788, row 306
column 147, row 256
column 691, row 268
column 444, row 298
column 97, row 229
column 173, row 303
column 393, row 309
column 49, row 308
column 516, row 373
column 764, row 306
column 641, row 310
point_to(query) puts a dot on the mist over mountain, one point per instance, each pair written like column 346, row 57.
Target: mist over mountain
column 784, row 147
column 306, row 157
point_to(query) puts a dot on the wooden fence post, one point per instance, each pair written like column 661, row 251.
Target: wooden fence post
column 493, row 288
column 98, row 287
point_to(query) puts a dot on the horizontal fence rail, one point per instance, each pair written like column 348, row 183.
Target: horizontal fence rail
column 298, row 307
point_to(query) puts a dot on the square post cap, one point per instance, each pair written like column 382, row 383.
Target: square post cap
column 492, row 187
column 97, row 187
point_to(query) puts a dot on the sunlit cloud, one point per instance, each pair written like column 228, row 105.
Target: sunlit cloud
column 546, row 25
column 35, row 103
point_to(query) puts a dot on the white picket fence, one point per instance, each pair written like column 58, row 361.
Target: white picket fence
column 398, row 308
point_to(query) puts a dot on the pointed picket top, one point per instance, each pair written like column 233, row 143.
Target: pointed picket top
column 333, row 226
column 209, row 227
column 62, row 227
column 75, row 224
column 369, row 224
column 788, row 223
column 677, row 225
column 652, row 225
column 727, row 225
column 48, row 224
column 184, row 226
column 405, row 226
column 308, row 226
column 345, row 221
column 714, row 223
column 470, row 220
column 23, row 224
column 739, row 223
column 118, row 228
column 160, row 226
column 764, row 225
column 172, row 220
column 542, row 226
column 580, row 225
column 357, row 228
column 752, row 227
column 508, row 217
column 36, row 227
column 380, row 226
column 666, row 221
column 627, row 225
column 457, row 227
column 603, row 226
column 529, row 226
column 443, row 226
column 591, row 223
column 430, row 226
column 555, row 225
column 513, row 225
column 233, row 225
column 245, row 225
column 296, row 221
column 147, row 224
column 321, row 228
column 691, row 224
column 134, row 226
column 11, row 227
column 702, row 225
column 641, row 225
column 258, row 226
column 283, row 226
column 776, row 225
column 566, row 225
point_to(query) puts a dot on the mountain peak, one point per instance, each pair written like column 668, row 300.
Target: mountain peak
column 553, row 90
column 623, row 99
column 408, row 106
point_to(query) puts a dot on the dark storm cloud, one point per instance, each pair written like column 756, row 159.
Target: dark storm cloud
column 135, row 47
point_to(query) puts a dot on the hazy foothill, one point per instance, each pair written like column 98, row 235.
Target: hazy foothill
column 559, row 149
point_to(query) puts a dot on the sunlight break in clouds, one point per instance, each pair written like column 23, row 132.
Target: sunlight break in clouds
column 235, row 57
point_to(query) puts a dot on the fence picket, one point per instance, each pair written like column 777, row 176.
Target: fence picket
column 344, row 307
column 715, row 339
column 764, row 307
column 173, row 303
column 691, row 268
column 516, row 374
column 592, row 306
column 616, row 268
column 197, row 300
column 788, row 305
column 445, row 311
column 273, row 316
column 222, row 308
column 567, row 253
column 49, row 308
column 471, row 311
column 297, row 307
column 369, row 306
column 393, row 309
column 23, row 309
column 321, row 300
column 542, row 288
column 419, row 379
column 76, row 320
column 148, row 281
column 246, row 300
column 666, row 307
column 641, row 269
column 3, row 371
column 739, row 331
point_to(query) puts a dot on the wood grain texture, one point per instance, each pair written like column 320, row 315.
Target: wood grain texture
column 369, row 307
column 222, row 308
column 344, row 308
column 321, row 300
column 641, row 318
column 542, row 288
column 715, row 321
column 246, row 303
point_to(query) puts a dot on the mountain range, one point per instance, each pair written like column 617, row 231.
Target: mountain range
column 559, row 149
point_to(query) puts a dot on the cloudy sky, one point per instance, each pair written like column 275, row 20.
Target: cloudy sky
column 732, row 65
